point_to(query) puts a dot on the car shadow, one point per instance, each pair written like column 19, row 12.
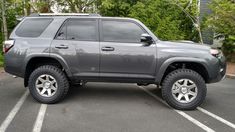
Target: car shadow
column 110, row 91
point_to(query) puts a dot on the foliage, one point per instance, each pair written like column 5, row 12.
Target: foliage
column 161, row 18
column 229, row 48
column 1, row 60
column 222, row 21
column 119, row 8
column 40, row 6
column 76, row 6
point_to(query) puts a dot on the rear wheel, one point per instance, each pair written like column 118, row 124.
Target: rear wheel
column 48, row 84
column 184, row 89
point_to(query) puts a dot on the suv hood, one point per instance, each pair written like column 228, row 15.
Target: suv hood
column 186, row 45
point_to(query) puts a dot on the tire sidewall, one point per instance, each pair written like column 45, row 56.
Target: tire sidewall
column 201, row 88
column 32, row 85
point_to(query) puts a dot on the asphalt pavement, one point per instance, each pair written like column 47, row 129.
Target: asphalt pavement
column 113, row 107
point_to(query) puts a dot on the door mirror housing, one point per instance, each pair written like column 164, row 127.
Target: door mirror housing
column 146, row 38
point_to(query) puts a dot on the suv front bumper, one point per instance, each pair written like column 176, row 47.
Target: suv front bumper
column 220, row 72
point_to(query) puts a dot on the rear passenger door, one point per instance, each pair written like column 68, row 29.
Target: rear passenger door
column 77, row 42
column 122, row 53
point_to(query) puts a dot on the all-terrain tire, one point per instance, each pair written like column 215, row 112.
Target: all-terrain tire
column 176, row 75
column 58, row 75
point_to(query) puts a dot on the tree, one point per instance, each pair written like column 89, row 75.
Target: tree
column 169, row 20
column 191, row 8
column 4, row 22
column 222, row 21
column 76, row 6
column 9, row 10
column 119, row 8
column 40, row 6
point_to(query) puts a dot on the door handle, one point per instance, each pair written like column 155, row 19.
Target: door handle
column 107, row 49
column 62, row 46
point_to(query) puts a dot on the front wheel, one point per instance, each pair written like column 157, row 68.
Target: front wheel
column 184, row 89
column 48, row 84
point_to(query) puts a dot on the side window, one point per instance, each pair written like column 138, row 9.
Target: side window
column 62, row 33
column 33, row 27
column 77, row 29
column 121, row 31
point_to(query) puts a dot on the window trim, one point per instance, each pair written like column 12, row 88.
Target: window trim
column 60, row 28
column 82, row 19
column 20, row 24
column 118, row 20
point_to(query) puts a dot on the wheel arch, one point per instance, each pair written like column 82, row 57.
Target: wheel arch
column 35, row 61
column 196, row 64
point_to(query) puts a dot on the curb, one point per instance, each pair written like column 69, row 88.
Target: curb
column 232, row 76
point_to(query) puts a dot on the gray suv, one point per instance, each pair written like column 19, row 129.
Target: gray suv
column 53, row 51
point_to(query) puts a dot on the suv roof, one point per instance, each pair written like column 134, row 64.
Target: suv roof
column 64, row 14
column 74, row 15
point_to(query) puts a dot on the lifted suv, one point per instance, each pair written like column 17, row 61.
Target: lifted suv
column 53, row 51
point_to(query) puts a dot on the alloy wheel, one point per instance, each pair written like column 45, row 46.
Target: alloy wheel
column 46, row 85
column 184, row 90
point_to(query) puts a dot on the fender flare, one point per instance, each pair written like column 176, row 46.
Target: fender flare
column 46, row 55
column 64, row 64
column 166, row 63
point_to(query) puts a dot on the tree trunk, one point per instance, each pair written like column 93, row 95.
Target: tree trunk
column 25, row 8
column 4, row 22
column 198, row 20
column 200, row 34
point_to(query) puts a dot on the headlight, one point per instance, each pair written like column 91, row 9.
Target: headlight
column 216, row 53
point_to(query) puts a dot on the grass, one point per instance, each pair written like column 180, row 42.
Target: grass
column 1, row 60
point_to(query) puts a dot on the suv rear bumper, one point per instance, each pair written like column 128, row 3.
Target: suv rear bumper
column 12, row 66
column 11, row 70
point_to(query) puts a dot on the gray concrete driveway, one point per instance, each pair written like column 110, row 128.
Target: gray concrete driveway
column 113, row 107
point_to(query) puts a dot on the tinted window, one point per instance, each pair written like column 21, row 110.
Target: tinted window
column 62, row 33
column 121, row 31
column 33, row 27
column 83, row 30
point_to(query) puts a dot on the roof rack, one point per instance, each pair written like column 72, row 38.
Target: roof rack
column 63, row 14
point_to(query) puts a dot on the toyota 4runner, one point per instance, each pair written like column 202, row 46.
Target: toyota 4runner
column 53, row 51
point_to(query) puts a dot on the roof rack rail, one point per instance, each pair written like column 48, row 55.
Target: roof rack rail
column 63, row 14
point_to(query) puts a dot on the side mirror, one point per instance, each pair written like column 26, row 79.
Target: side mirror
column 146, row 38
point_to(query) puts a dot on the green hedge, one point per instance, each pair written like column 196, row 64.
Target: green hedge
column 1, row 60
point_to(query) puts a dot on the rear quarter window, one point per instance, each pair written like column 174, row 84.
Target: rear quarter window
column 33, row 27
